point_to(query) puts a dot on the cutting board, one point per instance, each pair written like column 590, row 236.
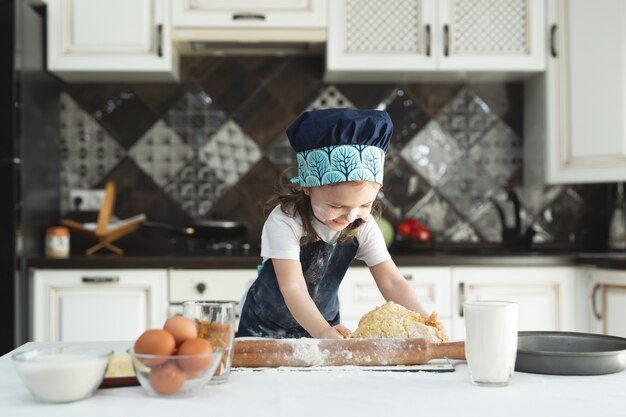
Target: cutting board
column 341, row 352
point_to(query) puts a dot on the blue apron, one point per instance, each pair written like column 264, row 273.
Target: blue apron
column 265, row 314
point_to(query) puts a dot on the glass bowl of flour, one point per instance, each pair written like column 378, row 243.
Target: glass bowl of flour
column 62, row 374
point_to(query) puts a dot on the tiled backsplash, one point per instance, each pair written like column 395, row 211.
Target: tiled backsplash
column 213, row 146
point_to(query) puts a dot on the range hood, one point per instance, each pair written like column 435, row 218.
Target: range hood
column 252, row 41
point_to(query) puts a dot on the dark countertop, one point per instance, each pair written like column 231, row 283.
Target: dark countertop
column 602, row 260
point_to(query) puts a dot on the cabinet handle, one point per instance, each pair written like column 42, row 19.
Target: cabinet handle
column 159, row 40
column 461, row 298
column 594, row 307
column 408, row 277
column 427, row 40
column 201, row 287
column 553, row 41
column 446, row 41
column 101, row 280
column 248, row 16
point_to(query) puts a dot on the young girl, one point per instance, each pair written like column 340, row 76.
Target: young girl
column 320, row 225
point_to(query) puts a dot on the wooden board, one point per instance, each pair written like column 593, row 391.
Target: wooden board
column 339, row 352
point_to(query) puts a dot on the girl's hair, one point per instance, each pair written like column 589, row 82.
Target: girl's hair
column 292, row 199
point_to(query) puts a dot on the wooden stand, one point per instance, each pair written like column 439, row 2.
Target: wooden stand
column 104, row 232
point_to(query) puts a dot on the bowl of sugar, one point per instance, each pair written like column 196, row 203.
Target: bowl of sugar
column 62, row 374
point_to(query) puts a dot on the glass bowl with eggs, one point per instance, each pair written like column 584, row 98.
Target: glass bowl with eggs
column 173, row 362
column 62, row 374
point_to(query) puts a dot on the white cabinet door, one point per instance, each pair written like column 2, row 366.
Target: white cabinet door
column 409, row 39
column 113, row 40
column 586, row 92
column 483, row 35
column 95, row 305
column 208, row 285
column 233, row 14
column 369, row 39
column 358, row 293
column 608, row 301
column 545, row 295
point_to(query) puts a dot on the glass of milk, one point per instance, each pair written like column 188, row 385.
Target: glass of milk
column 491, row 341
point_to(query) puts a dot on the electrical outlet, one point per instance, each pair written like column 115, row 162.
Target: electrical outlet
column 86, row 200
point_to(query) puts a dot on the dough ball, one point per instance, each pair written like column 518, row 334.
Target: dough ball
column 393, row 321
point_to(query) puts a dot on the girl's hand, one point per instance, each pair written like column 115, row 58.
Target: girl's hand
column 337, row 332
column 343, row 330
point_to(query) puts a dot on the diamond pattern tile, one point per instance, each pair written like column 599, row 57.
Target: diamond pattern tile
column 88, row 152
column 468, row 187
column 461, row 233
column 196, row 187
column 116, row 108
column 403, row 189
column 330, row 97
column 195, row 117
column 538, row 197
column 408, row 119
column 466, row 118
column 432, row 153
column 161, row 153
column 281, row 153
column 435, row 213
column 499, row 152
column 563, row 215
column 230, row 153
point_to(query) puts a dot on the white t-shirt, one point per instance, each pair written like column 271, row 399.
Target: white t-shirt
column 282, row 233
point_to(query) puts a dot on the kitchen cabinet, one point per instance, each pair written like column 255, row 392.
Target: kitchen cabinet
column 582, row 97
column 358, row 293
column 207, row 285
column 273, row 27
column 237, row 14
column 96, row 304
column 408, row 39
column 114, row 40
column 607, row 290
column 545, row 295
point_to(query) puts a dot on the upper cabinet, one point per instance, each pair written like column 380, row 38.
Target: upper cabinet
column 113, row 40
column 235, row 14
column 370, row 40
column 584, row 92
column 271, row 27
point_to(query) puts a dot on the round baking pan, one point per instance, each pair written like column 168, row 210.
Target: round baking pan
column 569, row 353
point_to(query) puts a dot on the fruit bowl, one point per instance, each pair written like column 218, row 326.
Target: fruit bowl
column 175, row 376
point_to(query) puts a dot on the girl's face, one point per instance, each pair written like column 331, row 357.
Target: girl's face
column 338, row 205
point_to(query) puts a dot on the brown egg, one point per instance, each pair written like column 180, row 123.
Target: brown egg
column 155, row 342
column 195, row 346
column 181, row 328
column 166, row 379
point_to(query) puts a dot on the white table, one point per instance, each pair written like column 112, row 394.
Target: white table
column 343, row 393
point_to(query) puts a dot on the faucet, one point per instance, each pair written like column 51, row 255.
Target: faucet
column 512, row 237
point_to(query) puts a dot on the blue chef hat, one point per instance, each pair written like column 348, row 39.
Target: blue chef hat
column 339, row 145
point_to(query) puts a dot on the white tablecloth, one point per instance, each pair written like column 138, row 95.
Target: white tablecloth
column 339, row 393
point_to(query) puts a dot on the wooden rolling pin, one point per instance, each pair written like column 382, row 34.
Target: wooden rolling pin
column 338, row 352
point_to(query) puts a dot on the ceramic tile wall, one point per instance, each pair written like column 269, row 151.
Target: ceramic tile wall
column 213, row 146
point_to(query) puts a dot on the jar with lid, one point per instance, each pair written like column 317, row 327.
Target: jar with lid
column 57, row 242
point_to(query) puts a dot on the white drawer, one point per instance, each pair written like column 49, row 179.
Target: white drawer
column 359, row 294
column 209, row 284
